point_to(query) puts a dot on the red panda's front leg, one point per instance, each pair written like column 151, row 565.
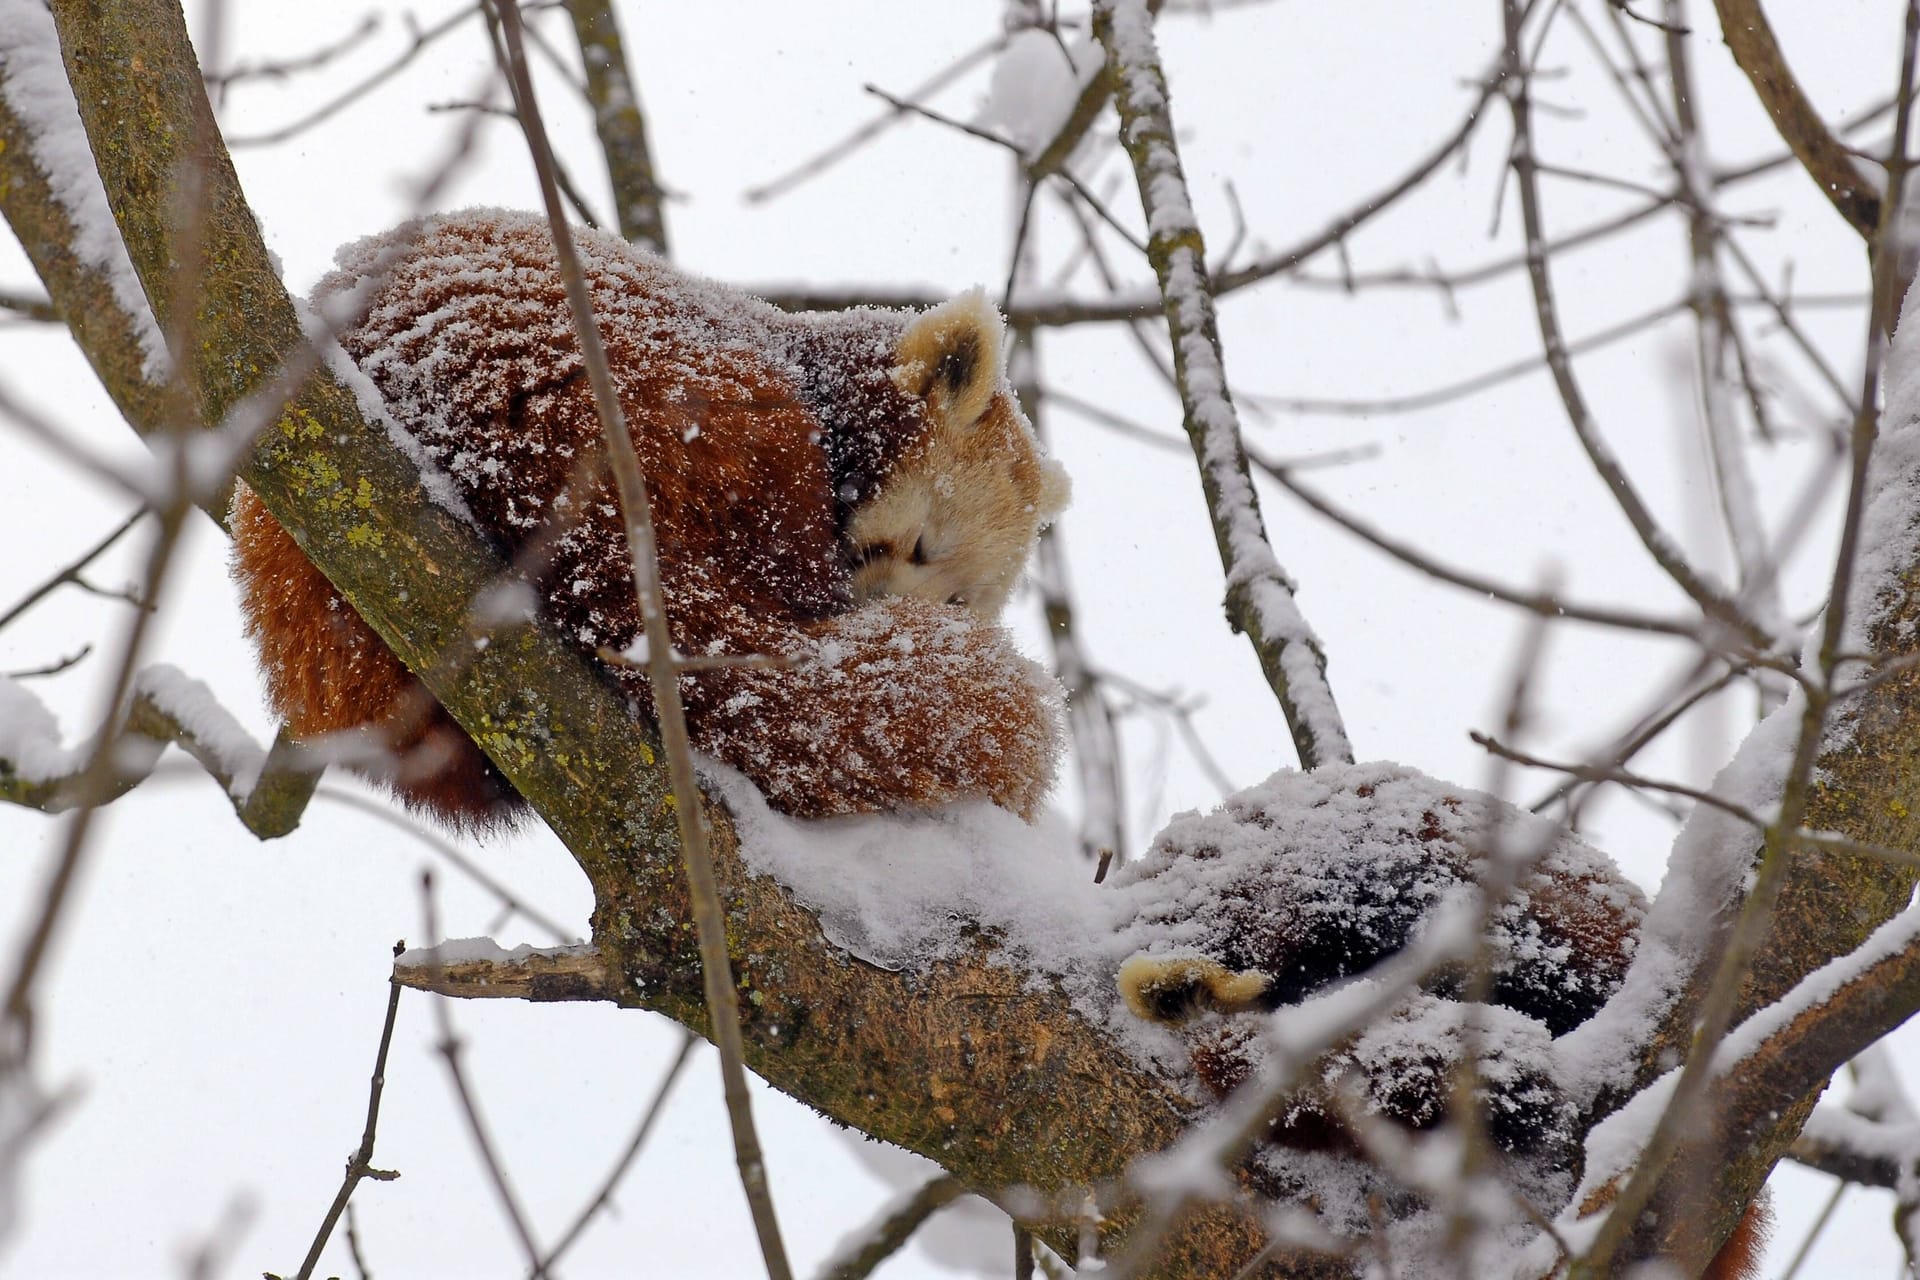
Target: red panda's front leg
column 898, row 704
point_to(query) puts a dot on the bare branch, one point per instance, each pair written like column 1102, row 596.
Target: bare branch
column 709, row 921
column 891, row 1233
column 617, row 118
column 1826, row 159
column 360, row 1163
column 604, row 1197
column 1712, row 601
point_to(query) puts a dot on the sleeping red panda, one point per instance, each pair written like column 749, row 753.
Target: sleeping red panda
column 1309, row 880
column 853, row 494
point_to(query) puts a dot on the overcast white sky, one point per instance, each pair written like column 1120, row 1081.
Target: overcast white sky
column 218, row 1000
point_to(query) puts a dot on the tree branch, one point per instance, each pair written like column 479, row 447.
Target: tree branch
column 1259, row 594
column 1757, row 52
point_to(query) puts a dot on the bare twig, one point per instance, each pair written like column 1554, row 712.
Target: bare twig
column 891, row 1233
column 282, row 68
column 451, row 1046
column 710, row 923
column 71, row 572
column 29, row 306
column 813, row 166
column 418, row 44
column 621, row 126
column 1750, row 38
column 604, row 1196
column 1712, row 601
column 360, row 1163
column 1544, row 604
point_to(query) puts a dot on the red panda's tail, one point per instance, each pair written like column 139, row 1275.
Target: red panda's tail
column 329, row 673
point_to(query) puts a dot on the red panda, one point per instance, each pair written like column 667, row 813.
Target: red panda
column 852, row 494
column 1310, row 879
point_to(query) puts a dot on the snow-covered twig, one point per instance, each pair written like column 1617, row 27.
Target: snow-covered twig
column 268, row 788
column 1260, row 598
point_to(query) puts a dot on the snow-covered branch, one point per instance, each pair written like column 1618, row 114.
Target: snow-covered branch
column 1260, row 598
column 269, row 789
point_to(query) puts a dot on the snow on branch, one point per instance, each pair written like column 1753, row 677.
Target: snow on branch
column 268, row 788
column 33, row 82
column 1259, row 593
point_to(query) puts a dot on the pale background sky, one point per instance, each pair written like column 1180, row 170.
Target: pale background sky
column 218, row 1000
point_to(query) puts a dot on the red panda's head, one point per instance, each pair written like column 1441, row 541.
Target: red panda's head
column 956, row 516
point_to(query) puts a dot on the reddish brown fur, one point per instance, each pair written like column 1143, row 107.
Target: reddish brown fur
column 757, row 434
column 1740, row 1257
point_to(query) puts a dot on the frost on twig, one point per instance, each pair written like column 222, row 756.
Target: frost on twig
column 268, row 788
column 1259, row 594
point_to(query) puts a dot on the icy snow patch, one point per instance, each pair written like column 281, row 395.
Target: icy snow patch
column 901, row 890
column 1706, row 876
column 30, row 737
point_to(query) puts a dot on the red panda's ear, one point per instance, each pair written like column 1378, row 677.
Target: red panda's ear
column 1056, row 490
column 950, row 357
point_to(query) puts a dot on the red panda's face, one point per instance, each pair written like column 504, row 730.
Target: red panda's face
column 957, row 516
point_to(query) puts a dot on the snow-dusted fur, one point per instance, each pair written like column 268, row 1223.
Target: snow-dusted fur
column 854, row 493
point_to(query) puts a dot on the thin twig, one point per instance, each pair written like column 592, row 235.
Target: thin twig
column 1712, row 601
column 892, row 1232
column 360, row 1163
column 1543, row 604
column 709, row 922
column 360, row 89
column 71, row 573
column 604, row 1196
column 451, row 1046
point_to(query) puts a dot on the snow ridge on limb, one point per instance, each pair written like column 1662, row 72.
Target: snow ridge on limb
column 167, row 707
column 33, row 82
column 1259, row 593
